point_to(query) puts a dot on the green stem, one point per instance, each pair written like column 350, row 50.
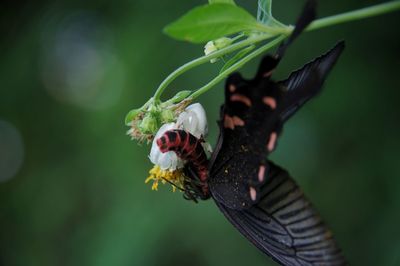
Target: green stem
column 236, row 66
column 282, row 31
column 205, row 59
column 355, row 15
column 274, row 30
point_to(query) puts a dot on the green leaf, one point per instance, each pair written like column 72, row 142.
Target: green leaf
column 209, row 22
column 131, row 115
column 237, row 57
column 232, row 2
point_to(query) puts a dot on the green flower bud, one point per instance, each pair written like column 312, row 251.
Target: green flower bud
column 215, row 45
column 132, row 114
column 210, row 48
column 167, row 116
column 222, row 42
column 149, row 124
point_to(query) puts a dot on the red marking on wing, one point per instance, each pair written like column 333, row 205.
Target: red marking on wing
column 272, row 141
column 232, row 88
column 261, row 173
column 228, row 122
column 271, row 102
column 268, row 74
column 240, row 98
column 253, row 194
column 237, row 121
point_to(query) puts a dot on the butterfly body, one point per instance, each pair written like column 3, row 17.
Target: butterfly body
column 190, row 149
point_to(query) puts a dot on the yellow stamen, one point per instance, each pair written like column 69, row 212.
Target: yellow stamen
column 156, row 174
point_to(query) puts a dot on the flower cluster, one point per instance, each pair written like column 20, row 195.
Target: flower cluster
column 168, row 166
column 146, row 120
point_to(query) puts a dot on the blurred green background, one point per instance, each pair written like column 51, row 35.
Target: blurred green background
column 72, row 186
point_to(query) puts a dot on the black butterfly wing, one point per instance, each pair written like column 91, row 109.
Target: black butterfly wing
column 251, row 120
column 306, row 82
column 249, row 127
column 238, row 164
column 259, row 198
column 284, row 225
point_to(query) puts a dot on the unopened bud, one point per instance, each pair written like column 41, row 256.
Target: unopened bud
column 149, row 124
column 131, row 115
column 222, row 42
column 167, row 116
column 215, row 45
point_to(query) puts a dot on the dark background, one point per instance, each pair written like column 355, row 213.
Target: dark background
column 72, row 186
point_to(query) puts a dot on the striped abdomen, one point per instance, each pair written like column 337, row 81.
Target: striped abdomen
column 188, row 148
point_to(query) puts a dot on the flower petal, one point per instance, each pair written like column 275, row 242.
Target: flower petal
column 194, row 120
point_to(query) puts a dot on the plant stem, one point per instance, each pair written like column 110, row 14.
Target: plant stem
column 237, row 65
column 355, row 15
column 270, row 32
column 274, row 30
column 317, row 24
column 205, row 59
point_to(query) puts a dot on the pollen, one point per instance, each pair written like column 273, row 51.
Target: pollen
column 175, row 178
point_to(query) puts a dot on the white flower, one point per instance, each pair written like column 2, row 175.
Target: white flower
column 193, row 120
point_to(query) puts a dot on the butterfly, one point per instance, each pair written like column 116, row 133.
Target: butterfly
column 257, row 196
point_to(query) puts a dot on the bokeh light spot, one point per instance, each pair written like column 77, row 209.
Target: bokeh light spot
column 79, row 65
